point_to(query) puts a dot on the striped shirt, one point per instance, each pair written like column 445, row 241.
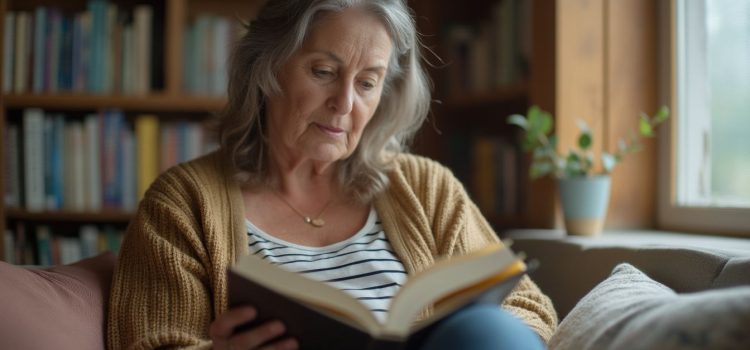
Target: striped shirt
column 364, row 265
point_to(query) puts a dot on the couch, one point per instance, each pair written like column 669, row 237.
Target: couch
column 669, row 284
column 643, row 290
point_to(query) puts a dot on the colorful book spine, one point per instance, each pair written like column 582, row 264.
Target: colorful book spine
column 147, row 136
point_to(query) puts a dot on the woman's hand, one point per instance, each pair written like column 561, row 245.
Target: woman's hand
column 222, row 327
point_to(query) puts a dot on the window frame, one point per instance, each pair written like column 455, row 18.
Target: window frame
column 671, row 215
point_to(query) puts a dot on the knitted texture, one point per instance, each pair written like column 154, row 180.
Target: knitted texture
column 170, row 281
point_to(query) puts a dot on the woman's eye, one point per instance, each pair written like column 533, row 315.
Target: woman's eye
column 368, row 84
column 322, row 73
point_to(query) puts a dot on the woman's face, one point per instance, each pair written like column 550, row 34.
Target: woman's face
column 330, row 88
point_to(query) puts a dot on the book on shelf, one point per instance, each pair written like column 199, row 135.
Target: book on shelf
column 315, row 313
column 91, row 161
column 47, row 50
column 9, row 23
column 29, row 244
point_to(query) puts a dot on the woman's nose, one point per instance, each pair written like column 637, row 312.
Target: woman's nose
column 342, row 99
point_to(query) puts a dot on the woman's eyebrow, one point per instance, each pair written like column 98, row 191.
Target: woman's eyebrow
column 376, row 69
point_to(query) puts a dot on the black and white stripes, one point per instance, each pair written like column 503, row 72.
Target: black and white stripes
column 364, row 265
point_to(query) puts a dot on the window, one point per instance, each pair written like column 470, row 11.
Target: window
column 705, row 172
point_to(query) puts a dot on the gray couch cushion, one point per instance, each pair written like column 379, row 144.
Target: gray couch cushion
column 571, row 266
column 629, row 310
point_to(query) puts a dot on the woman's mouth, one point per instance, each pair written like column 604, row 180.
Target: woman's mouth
column 329, row 130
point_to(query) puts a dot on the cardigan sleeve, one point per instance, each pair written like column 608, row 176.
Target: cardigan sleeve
column 460, row 227
column 161, row 287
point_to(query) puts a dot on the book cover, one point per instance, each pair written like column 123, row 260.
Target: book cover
column 315, row 312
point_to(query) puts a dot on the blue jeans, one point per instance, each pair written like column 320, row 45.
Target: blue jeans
column 481, row 327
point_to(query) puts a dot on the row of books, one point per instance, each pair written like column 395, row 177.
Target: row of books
column 102, row 50
column 492, row 168
column 207, row 49
column 496, row 176
column 491, row 54
column 40, row 245
column 92, row 162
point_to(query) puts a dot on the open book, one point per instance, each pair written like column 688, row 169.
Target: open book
column 321, row 316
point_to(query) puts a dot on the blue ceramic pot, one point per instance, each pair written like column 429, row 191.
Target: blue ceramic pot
column 584, row 202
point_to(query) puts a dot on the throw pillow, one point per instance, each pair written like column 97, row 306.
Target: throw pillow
column 629, row 310
column 61, row 307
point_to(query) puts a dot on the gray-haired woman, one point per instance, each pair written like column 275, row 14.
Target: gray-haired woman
column 312, row 174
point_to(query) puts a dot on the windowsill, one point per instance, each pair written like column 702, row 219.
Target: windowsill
column 642, row 238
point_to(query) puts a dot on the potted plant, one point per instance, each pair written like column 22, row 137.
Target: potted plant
column 584, row 193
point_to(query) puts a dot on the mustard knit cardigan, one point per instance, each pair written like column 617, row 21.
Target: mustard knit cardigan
column 170, row 281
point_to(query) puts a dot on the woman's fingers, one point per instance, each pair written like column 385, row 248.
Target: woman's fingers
column 285, row 344
column 223, row 326
column 254, row 338
column 222, row 329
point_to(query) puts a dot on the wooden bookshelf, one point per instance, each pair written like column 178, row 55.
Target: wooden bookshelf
column 152, row 102
column 168, row 97
column 104, row 216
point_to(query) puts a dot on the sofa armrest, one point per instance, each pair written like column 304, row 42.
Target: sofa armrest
column 571, row 266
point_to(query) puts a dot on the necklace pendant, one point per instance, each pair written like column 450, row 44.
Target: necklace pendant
column 318, row 222
column 308, row 220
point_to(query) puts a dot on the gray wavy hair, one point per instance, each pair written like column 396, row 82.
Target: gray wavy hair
column 278, row 32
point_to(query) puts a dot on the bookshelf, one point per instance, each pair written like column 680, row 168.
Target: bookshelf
column 162, row 90
column 485, row 73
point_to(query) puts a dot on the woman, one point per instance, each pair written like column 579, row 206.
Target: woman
column 323, row 96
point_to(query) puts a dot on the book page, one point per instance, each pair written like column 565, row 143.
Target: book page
column 443, row 279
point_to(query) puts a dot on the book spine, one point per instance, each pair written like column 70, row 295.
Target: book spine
column 21, row 60
column 147, row 135
column 9, row 26
column 40, row 52
column 33, row 124
column 49, row 171
column 88, row 235
column 78, row 168
column 9, row 247
column 13, row 184
column 93, row 162
column 484, row 174
column 127, row 170
column 108, row 67
column 44, row 245
column 142, row 23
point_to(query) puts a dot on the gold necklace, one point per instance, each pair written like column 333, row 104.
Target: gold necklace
column 317, row 221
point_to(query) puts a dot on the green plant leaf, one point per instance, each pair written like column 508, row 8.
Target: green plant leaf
column 645, row 126
column 533, row 118
column 539, row 169
column 662, row 115
column 518, row 120
column 584, row 140
column 545, row 123
column 608, row 161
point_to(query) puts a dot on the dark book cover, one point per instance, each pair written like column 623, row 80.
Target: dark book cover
column 314, row 329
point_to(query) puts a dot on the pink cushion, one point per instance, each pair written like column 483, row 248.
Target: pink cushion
column 61, row 307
